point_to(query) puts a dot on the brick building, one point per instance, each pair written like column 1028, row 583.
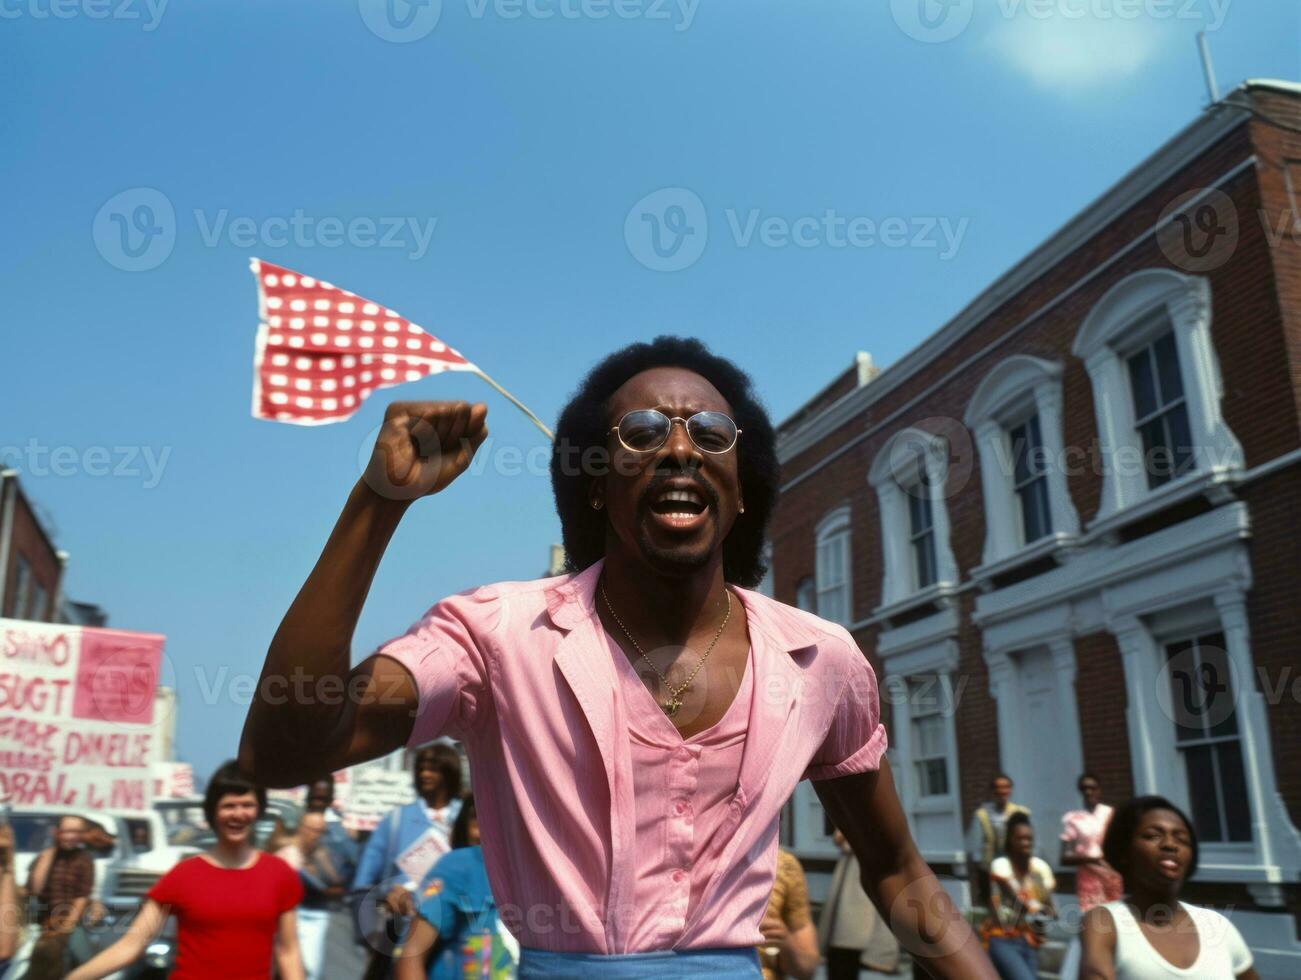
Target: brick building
column 31, row 567
column 1064, row 528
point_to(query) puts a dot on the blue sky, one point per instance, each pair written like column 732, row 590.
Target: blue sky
column 833, row 177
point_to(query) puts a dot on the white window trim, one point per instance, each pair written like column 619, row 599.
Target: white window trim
column 896, row 466
column 928, row 646
column 1107, row 335
column 835, row 525
column 1274, row 854
column 1015, row 389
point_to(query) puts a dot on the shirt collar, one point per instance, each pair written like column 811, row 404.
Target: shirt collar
column 573, row 599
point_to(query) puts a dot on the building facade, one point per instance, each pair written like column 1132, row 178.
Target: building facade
column 31, row 567
column 1064, row 528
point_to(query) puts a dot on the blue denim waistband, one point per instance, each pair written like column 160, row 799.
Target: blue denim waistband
column 689, row 964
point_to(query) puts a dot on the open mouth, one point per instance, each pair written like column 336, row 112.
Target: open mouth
column 679, row 509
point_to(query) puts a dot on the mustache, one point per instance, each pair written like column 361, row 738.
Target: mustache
column 662, row 477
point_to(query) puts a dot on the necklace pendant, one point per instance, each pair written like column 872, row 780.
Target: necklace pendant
column 671, row 706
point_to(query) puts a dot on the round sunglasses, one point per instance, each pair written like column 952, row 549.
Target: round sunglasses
column 646, row 430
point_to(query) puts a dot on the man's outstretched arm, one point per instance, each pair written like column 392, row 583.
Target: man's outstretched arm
column 866, row 809
column 312, row 712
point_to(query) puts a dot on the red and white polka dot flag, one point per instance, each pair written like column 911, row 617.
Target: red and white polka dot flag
column 322, row 350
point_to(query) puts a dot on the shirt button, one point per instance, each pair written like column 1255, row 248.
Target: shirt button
column 679, row 807
column 679, row 875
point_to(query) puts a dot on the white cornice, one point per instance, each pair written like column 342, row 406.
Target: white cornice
column 1159, row 167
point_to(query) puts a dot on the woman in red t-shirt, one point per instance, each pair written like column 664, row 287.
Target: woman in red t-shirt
column 234, row 905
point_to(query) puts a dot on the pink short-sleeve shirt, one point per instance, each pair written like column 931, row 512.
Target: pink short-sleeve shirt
column 521, row 673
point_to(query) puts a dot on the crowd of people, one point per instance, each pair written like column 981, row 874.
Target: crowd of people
column 1130, row 864
column 418, row 894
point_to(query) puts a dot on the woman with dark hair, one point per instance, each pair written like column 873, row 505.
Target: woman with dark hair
column 636, row 726
column 456, row 934
column 1082, row 832
column 1021, row 902
column 1150, row 934
column 234, row 905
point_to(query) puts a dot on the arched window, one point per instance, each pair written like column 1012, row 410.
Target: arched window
column 909, row 476
column 831, row 569
column 1156, row 390
column 1016, row 415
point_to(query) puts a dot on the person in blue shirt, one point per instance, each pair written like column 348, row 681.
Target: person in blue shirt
column 379, row 872
column 457, row 934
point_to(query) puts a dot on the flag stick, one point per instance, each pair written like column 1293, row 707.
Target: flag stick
column 518, row 404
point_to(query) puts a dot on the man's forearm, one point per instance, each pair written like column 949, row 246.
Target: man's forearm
column 926, row 922
column 297, row 706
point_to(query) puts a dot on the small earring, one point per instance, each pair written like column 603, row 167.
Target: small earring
column 597, row 505
column 742, row 510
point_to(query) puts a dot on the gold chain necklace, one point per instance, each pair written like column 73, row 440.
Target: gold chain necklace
column 674, row 703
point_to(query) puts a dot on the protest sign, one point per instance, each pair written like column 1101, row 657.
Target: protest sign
column 76, row 715
column 373, row 792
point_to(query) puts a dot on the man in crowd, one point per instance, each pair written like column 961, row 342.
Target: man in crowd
column 342, row 847
column 988, row 831
column 404, row 846
column 790, row 948
column 634, row 844
column 61, row 879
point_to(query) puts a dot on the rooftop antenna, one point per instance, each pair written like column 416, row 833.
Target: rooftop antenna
column 1208, row 70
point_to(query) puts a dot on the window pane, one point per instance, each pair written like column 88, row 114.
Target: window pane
column 1180, row 439
column 932, row 777
column 924, row 557
column 919, row 510
column 1035, row 519
column 1142, row 384
column 1156, row 454
column 1167, row 367
column 1233, row 789
column 1201, row 791
column 1019, row 438
column 1186, row 695
column 1216, row 686
column 929, row 735
column 1036, row 441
